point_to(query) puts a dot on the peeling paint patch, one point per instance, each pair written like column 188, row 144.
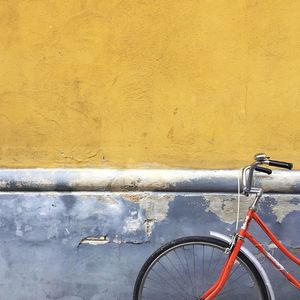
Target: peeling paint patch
column 94, row 240
column 225, row 206
column 132, row 197
column 285, row 205
column 103, row 240
column 156, row 208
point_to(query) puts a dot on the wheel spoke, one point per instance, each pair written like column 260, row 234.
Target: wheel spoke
column 181, row 269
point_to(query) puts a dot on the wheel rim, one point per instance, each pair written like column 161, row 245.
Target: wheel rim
column 186, row 271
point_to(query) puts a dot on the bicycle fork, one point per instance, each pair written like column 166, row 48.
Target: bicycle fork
column 233, row 252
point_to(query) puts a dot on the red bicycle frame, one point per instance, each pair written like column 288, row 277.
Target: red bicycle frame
column 243, row 233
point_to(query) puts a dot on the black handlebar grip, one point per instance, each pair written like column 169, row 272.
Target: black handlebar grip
column 264, row 170
column 280, row 164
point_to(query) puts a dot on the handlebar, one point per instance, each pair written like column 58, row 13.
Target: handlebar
column 281, row 164
column 264, row 170
column 260, row 159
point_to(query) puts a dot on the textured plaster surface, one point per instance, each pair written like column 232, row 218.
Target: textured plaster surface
column 148, row 83
column 45, row 251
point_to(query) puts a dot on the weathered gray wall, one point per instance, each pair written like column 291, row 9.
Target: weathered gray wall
column 84, row 234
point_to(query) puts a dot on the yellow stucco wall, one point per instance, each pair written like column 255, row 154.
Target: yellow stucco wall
column 190, row 83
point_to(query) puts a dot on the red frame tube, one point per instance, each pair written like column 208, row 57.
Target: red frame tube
column 218, row 285
column 243, row 233
column 274, row 239
column 273, row 261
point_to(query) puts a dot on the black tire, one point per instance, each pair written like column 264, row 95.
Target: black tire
column 187, row 267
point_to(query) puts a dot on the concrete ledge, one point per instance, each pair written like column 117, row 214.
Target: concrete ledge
column 219, row 181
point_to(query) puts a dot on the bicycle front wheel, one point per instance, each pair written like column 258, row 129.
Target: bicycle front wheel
column 185, row 268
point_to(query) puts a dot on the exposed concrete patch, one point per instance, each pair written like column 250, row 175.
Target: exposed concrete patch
column 95, row 240
column 156, row 208
column 103, row 240
column 225, row 206
column 153, row 208
column 285, row 205
column 132, row 197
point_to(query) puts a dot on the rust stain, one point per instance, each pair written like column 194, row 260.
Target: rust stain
column 132, row 197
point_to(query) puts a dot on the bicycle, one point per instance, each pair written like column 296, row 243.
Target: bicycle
column 216, row 266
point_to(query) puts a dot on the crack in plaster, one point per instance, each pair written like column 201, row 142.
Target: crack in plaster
column 155, row 208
